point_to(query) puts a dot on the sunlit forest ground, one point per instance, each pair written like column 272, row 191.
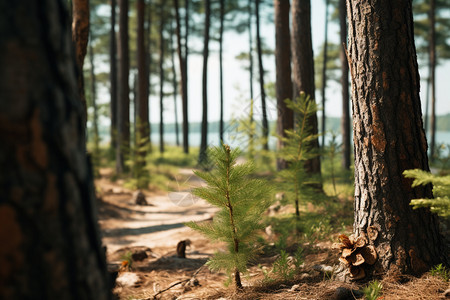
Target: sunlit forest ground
column 141, row 240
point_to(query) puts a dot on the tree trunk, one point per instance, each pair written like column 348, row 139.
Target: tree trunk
column 265, row 123
column 161, row 78
column 50, row 239
column 142, row 120
column 80, row 38
column 183, row 71
column 96, row 137
column 149, row 64
column 389, row 138
column 113, row 75
column 433, row 78
column 285, row 119
column 303, row 66
column 204, row 140
column 250, row 47
column 123, row 107
column 345, row 121
column 324, row 74
column 222, row 16
column 175, row 85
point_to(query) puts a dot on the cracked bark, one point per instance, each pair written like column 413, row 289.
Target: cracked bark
column 389, row 137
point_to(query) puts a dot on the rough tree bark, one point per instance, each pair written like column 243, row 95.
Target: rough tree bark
column 285, row 116
column 303, row 66
column 123, row 107
column 80, row 38
column 265, row 123
column 389, row 138
column 183, row 69
column 204, row 139
column 142, row 122
column 113, row 75
column 50, row 240
column 345, row 121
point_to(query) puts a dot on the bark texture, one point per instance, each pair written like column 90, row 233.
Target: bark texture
column 285, row 116
column 345, row 121
column 50, row 241
column 80, row 38
column 303, row 66
column 389, row 137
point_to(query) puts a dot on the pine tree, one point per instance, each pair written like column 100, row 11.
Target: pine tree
column 242, row 200
column 441, row 191
column 298, row 149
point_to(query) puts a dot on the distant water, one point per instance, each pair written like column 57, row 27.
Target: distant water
column 234, row 140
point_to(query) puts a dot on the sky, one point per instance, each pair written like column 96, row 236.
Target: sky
column 236, row 79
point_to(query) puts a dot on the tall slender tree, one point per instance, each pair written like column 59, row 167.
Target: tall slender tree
column 303, row 66
column 161, row 76
column 265, row 123
column 95, row 135
column 50, row 239
column 80, row 38
column 389, row 138
column 174, row 84
column 204, row 139
column 113, row 75
column 222, row 17
column 324, row 73
column 432, row 75
column 123, row 107
column 345, row 121
column 141, row 103
column 285, row 115
column 183, row 56
column 250, row 47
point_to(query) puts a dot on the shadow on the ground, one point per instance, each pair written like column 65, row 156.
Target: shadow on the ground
column 141, row 230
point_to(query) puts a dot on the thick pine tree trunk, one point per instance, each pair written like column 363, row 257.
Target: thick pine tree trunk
column 204, row 139
column 345, row 121
column 389, row 138
column 50, row 240
column 123, row 107
column 80, row 38
column 285, row 116
column 142, row 121
column 303, row 66
column 265, row 123
column 113, row 75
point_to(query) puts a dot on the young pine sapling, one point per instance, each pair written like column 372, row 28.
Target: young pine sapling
column 242, row 201
column 297, row 150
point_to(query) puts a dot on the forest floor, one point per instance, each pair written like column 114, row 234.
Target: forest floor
column 153, row 231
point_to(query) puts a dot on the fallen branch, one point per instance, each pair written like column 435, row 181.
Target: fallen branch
column 175, row 284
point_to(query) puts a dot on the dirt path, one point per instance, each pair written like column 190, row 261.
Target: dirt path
column 155, row 228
